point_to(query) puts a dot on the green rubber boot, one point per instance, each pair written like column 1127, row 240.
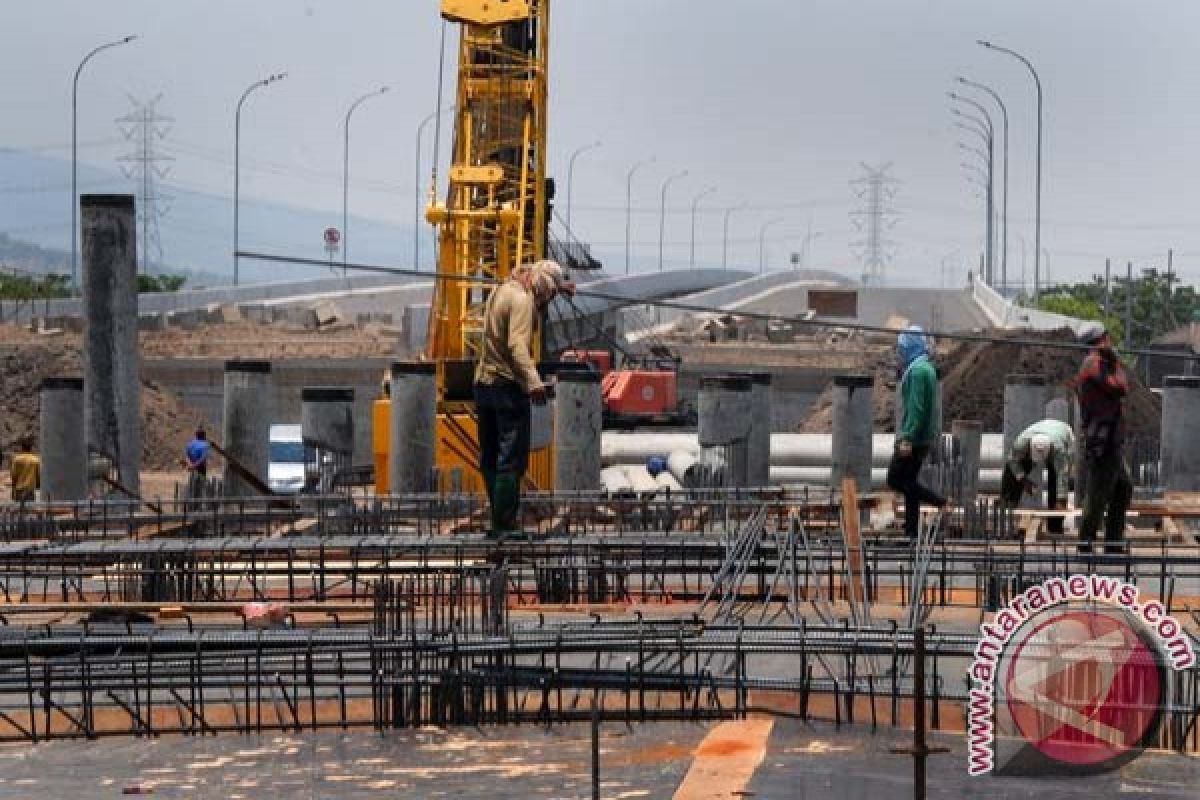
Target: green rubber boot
column 506, row 506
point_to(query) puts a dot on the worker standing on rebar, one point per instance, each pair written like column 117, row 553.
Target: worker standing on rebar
column 26, row 472
column 918, row 395
column 1102, row 385
column 507, row 384
column 1048, row 443
column 195, row 457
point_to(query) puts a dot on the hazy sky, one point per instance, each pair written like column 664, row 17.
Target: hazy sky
column 776, row 102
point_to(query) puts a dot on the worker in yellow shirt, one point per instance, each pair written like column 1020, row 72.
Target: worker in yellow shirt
column 507, row 384
column 26, row 472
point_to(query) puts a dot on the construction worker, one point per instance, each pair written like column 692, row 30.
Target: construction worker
column 195, row 457
column 1049, row 443
column 919, row 398
column 26, row 472
column 507, row 384
column 1101, row 386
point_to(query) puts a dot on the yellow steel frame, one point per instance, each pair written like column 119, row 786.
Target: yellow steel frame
column 494, row 214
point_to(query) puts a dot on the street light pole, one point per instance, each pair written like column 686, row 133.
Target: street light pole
column 629, row 205
column 695, row 206
column 1037, row 214
column 346, row 175
column 237, row 154
column 571, row 178
column 809, row 238
column 75, row 156
column 1004, row 213
column 990, row 139
column 725, row 238
column 417, row 188
column 762, row 242
column 662, row 214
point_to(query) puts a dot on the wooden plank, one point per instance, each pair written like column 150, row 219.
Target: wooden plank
column 725, row 762
column 852, row 534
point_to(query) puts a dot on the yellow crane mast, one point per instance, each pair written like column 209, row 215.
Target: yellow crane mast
column 494, row 216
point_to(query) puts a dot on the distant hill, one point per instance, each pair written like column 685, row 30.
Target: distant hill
column 197, row 234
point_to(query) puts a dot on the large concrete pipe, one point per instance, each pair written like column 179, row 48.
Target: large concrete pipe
column 413, row 447
column 249, row 410
column 853, row 417
column 63, row 447
column 617, row 477
column 615, row 480
column 112, row 384
column 724, row 409
column 685, row 467
column 1181, row 433
column 578, row 426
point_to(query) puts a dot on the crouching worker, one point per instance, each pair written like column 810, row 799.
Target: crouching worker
column 1049, row 443
column 507, row 384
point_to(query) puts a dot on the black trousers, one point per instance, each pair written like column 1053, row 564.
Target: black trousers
column 902, row 477
column 504, row 414
column 1109, row 492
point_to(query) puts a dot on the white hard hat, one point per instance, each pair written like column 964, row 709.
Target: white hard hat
column 1039, row 447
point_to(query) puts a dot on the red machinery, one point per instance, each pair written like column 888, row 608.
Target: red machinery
column 638, row 396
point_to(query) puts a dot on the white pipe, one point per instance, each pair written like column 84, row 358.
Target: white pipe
column 787, row 449
column 989, row 479
column 615, row 480
column 642, row 481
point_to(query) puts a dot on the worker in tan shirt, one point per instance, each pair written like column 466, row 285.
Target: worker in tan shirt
column 507, row 384
column 26, row 472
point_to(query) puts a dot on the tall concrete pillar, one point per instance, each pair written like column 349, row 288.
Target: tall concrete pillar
column 969, row 434
column 63, row 446
column 327, row 427
column 1059, row 408
column 112, row 384
column 578, row 428
column 758, row 451
column 1025, row 399
column 412, row 451
column 249, row 410
column 853, row 422
column 725, row 408
column 1181, row 433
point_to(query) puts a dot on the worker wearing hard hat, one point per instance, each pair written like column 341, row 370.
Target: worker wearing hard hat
column 1049, row 443
column 507, row 383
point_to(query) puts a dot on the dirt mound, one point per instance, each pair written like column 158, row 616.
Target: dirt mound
column 973, row 377
column 26, row 359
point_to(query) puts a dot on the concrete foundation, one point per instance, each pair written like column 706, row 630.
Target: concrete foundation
column 63, row 446
column 758, row 451
column 853, row 417
column 249, row 410
column 412, row 446
column 327, row 418
column 1181, row 433
column 725, row 409
column 578, row 426
column 112, row 383
column 1025, row 398
column 969, row 434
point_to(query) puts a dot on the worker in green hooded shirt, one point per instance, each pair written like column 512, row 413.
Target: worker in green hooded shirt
column 918, row 425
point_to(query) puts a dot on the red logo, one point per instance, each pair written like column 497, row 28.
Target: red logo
column 1085, row 688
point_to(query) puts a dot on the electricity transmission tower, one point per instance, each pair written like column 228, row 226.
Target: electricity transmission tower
column 876, row 189
column 144, row 127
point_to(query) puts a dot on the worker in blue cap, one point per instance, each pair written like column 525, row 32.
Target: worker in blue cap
column 917, row 427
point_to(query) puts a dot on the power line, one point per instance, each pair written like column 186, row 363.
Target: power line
column 145, row 127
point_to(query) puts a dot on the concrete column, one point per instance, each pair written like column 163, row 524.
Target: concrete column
column 1181, row 433
column 1025, row 399
column 969, row 434
column 112, row 384
column 249, row 411
column 63, row 446
column 853, row 422
column 578, row 426
column 327, row 427
column 1059, row 408
column 412, row 450
column 758, row 466
column 725, row 408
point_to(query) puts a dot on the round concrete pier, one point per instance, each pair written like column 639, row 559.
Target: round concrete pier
column 327, row 428
column 1181, row 433
column 758, row 449
column 578, row 426
column 1025, row 398
column 412, row 453
column 249, row 410
column 969, row 434
column 853, row 421
column 63, row 447
column 725, row 408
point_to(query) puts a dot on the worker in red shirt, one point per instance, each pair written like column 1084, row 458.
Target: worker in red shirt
column 1101, row 386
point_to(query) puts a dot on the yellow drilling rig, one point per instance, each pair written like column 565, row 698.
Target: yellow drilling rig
column 494, row 216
